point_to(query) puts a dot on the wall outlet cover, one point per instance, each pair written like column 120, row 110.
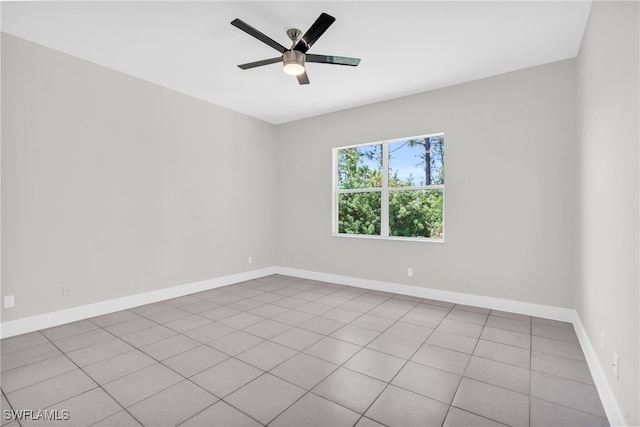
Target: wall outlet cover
column 9, row 301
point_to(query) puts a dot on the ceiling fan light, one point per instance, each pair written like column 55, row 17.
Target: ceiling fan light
column 293, row 62
column 293, row 68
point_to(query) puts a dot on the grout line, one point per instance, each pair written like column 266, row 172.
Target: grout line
column 307, row 288
column 338, row 366
column 97, row 386
column 11, row 408
column 462, row 376
column 402, row 367
column 138, row 348
column 284, row 361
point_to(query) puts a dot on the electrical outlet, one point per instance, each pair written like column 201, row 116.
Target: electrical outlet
column 250, row 260
column 410, row 272
column 9, row 301
column 602, row 334
column 66, row 291
column 615, row 365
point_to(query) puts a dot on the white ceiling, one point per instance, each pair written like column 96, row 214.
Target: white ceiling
column 406, row 47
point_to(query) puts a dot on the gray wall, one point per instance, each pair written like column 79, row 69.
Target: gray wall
column 607, row 298
column 510, row 204
column 114, row 186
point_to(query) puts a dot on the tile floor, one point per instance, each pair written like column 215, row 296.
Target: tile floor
column 284, row 351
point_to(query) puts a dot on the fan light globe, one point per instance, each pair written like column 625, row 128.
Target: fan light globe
column 293, row 68
column 293, row 62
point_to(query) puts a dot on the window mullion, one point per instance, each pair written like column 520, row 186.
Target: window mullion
column 384, row 214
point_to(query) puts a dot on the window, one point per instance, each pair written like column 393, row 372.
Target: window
column 391, row 189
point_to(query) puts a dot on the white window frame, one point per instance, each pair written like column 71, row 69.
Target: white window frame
column 384, row 190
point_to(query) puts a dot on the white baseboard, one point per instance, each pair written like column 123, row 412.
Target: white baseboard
column 538, row 310
column 614, row 414
column 48, row 320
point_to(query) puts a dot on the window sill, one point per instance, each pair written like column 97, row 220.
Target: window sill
column 404, row 239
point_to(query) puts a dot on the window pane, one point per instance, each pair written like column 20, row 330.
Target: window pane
column 416, row 213
column 414, row 162
column 360, row 167
column 359, row 213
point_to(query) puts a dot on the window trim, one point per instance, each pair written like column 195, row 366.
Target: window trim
column 385, row 190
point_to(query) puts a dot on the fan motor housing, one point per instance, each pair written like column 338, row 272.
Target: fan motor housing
column 293, row 60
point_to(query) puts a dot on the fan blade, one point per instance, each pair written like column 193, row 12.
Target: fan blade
column 238, row 23
column 327, row 59
column 318, row 28
column 260, row 63
column 303, row 79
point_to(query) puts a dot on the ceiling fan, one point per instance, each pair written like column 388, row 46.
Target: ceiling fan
column 294, row 59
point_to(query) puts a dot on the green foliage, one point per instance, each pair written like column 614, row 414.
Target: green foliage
column 354, row 173
column 416, row 213
column 359, row 213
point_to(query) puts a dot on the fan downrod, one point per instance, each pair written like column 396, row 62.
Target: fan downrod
column 294, row 35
